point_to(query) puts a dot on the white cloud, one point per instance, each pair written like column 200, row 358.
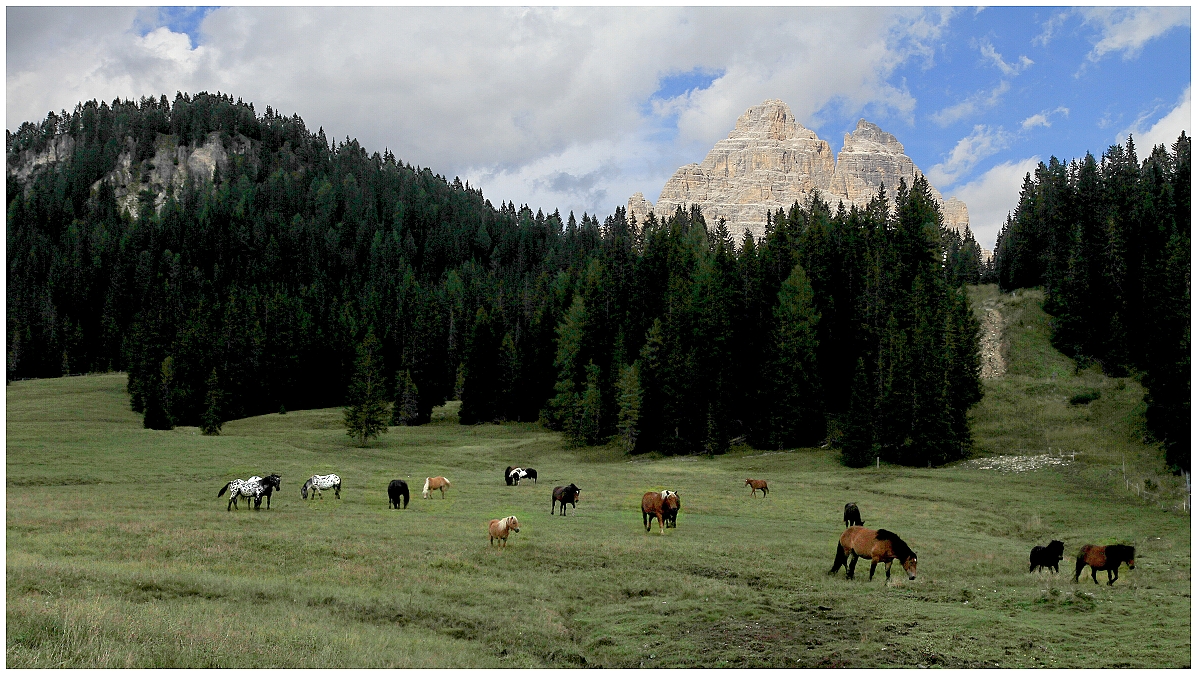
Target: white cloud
column 1127, row 29
column 992, row 196
column 1007, row 69
column 983, row 142
column 497, row 95
column 982, row 100
column 1166, row 129
column 1049, row 29
column 1043, row 119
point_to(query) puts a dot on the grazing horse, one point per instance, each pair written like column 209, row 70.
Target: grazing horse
column 1047, row 557
column 514, row 474
column 249, row 488
column 530, row 473
column 499, row 528
column 269, row 485
column 672, row 505
column 438, row 483
column 761, row 485
column 852, row 515
column 566, row 494
column 880, row 546
column 1107, row 558
column 317, row 483
column 654, row 505
column 396, row 492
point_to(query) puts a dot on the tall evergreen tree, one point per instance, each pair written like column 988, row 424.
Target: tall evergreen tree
column 366, row 412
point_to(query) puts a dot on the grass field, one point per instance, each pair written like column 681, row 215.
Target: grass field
column 119, row 553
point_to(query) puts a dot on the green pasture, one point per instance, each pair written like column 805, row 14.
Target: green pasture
column 119, row 552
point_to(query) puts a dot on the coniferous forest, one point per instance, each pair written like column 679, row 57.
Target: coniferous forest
column 1109, row 242
column 258, row 291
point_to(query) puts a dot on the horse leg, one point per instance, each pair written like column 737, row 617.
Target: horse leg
column 840, row 559
column 873, row 568
column 852, row 566
column 887, row 566
column 646, row 521
column 1094, row 571
column 1112, row 575
column 1080, row 565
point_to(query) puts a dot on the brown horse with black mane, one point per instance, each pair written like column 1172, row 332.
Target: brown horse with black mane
column 880, row 546
column 1108, row 558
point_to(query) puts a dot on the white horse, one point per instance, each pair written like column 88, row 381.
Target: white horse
column 317, row 483
column 250, row 489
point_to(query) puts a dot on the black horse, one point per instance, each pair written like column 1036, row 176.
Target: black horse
column 397, row 491
column 531, row 474
column 1047, row 557
column 566, row 494
column 852, row 515
column 507, row 475
column 269, row 485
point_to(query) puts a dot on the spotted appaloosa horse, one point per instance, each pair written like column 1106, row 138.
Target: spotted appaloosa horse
column 661, row 505
column 566, row 494
column 397, row 492
column 880, row 546
column 1107, row 558
column 499, row 528
column 438, row 483
column 317, row 483
column 250, row 488
column 761, row 485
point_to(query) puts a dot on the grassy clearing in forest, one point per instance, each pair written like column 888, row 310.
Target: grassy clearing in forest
column 120, row 553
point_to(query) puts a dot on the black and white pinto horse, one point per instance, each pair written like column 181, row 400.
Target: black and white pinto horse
column 317, row 483
column 513, row 474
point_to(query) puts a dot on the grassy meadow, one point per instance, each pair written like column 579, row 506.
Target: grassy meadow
column 119, row 552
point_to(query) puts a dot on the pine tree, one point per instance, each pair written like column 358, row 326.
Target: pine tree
column 629, row 406
column 405, row 411
column 588, row 425
column 796, row 406
column 211, row 422
column 366, row 413
column 857, row 445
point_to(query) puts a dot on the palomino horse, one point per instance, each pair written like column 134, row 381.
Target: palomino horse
column 761, row 485
column 438, row 483
column 661, row 505
column 1107, row 558
column 880, row 546
column 499, row 528
column 317, row 483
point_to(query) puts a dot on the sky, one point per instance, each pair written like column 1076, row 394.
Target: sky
column 577, row 108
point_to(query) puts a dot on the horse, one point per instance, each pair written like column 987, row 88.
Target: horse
column 507, row 475
column 654, row 505
column 1047, row 557
column 396, row 492
column 673, row 504
column 566, row 494
column 761, row 485
column 880, row 546
column 249, row 488
column 1107, row 558
column 530, row 473
column 514, row 474
column 499, row 528
column 852, row 515
column 269, row 485
column 317, row 483
column 438, row 483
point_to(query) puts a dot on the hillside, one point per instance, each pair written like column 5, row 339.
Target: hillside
column 120, row 554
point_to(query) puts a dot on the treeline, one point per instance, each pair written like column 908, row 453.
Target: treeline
column 257, row 290
column 1109, row 242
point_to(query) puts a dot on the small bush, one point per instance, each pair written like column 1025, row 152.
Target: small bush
column 1085, row 398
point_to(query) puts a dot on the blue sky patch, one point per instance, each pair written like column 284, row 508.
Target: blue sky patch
column 180, row 20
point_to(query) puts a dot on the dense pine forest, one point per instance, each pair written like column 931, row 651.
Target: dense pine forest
column 1109, row 242
column 257, row 290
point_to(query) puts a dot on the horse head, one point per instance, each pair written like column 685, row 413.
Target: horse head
column 513, row 524
column 1130, row 557
column 303, row 491
column 910, row 565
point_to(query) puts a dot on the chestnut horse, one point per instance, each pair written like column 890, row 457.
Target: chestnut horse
column 1107, row 558
column 661, row 505
column 499, row 528
column 438, row 483
column 880, row 546
column 761, row 485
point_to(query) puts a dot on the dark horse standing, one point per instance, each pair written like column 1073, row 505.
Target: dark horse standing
column 396, row 492
column 566, row 494
column 269, row 485
column 1047, row 557
column 1107, row 558
column 852, row 515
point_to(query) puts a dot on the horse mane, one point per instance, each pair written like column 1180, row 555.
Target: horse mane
column 900, row 548
column 1121, row 549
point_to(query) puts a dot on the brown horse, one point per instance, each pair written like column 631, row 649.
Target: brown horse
column 656, row 505
column 1107, row 558
column 880, row 546
column 438, row 483
column 500, row 528
column 761, row 485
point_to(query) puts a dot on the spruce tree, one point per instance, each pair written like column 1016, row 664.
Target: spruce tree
column 366, row 413
column 629, row 406
column 796, row 407
column 211, row 422
column 405, row 412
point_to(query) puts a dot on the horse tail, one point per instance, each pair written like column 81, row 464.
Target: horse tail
column 224, row 489
column 1080, row 565
column 840, row 559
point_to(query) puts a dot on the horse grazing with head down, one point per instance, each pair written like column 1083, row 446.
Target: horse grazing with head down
column 1047, row 557
column 566, row 494
column 880, row 546
column 396, row 493
column 500, row 528
column 852, row 515
column 1107, row 558
column 761, row 485
column 438, row 483
column 317, row 483
column 661, row 505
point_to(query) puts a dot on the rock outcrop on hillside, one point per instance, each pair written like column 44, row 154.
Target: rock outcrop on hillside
column 769, row 161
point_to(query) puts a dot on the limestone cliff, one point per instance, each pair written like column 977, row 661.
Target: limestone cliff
column 769, row 161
